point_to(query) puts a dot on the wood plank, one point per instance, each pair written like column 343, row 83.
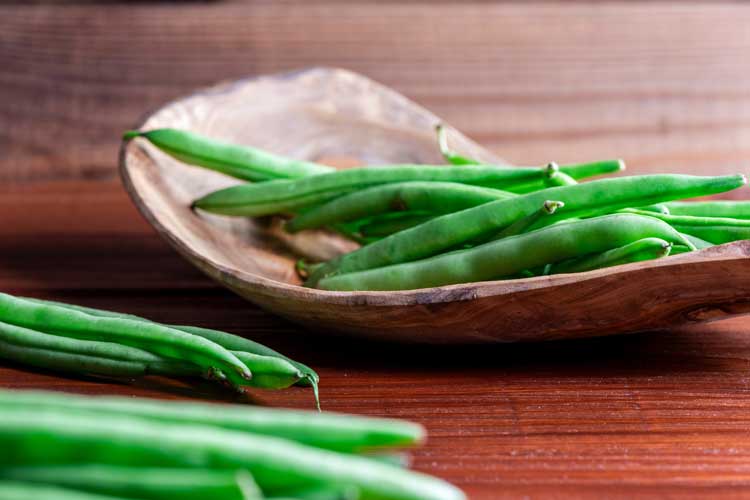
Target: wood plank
column 654, row 415
column 662, row 84
column 89, row 236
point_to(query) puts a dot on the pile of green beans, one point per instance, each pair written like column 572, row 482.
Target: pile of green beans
column 86, row 448
column 76, row 339
column 427, row 225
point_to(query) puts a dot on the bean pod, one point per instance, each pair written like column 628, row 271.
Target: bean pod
column 510, row 256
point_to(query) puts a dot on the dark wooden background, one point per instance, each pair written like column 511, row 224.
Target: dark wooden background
column 666, row 85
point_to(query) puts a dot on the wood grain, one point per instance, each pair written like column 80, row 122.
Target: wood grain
column 662, row 84
column 660, row 415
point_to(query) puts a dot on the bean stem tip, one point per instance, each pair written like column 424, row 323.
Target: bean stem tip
column 130, row 134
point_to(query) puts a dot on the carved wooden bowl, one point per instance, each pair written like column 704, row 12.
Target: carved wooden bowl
column 330, row 113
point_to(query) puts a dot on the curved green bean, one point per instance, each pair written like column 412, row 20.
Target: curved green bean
column 714, row 208
column 509, row 256
column 332, row 431
column 53, row 438
column 451, row 230
column 151, row 337
column 637, row 251
column 432, row 197
column 242, row 162
column 145, row 483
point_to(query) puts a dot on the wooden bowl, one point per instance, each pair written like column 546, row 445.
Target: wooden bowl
column 330, row 113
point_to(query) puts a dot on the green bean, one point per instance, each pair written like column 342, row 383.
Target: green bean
column 570, row 173
column 387, row 224
column 429, row 196
column 142, row 482
column 717, row 235
column 17, row 490
column 678, row 249
column 106, row 358
column 715, row 208
column 237, row 343
column 690, row 220
column 451, row 230
column 269, row 372
column 660, row 208
column 55, row 438
column 242, row 162
column 593, row 169
column 451, row 156
column 556, row 178
column 350, row 233
column 31, row 338
column 432, row 197
column 294, row 195
column 576, row 172
column 71, row 363
column 84, row 356
column 303, row 268
column 266, row 373
column 509, row 256
column 549, row 207
column 87, row 310
column 698, row 243
column 290, row 195
column 637, row 251
column 561, row 179
column 716, row 230
column 167, row 342
column 338, row 432
column 394, row 459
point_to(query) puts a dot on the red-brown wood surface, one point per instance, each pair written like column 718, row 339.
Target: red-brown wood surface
column 663, row 84
column 662, row 414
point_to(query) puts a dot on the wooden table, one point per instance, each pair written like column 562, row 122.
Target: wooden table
column 664, row 85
